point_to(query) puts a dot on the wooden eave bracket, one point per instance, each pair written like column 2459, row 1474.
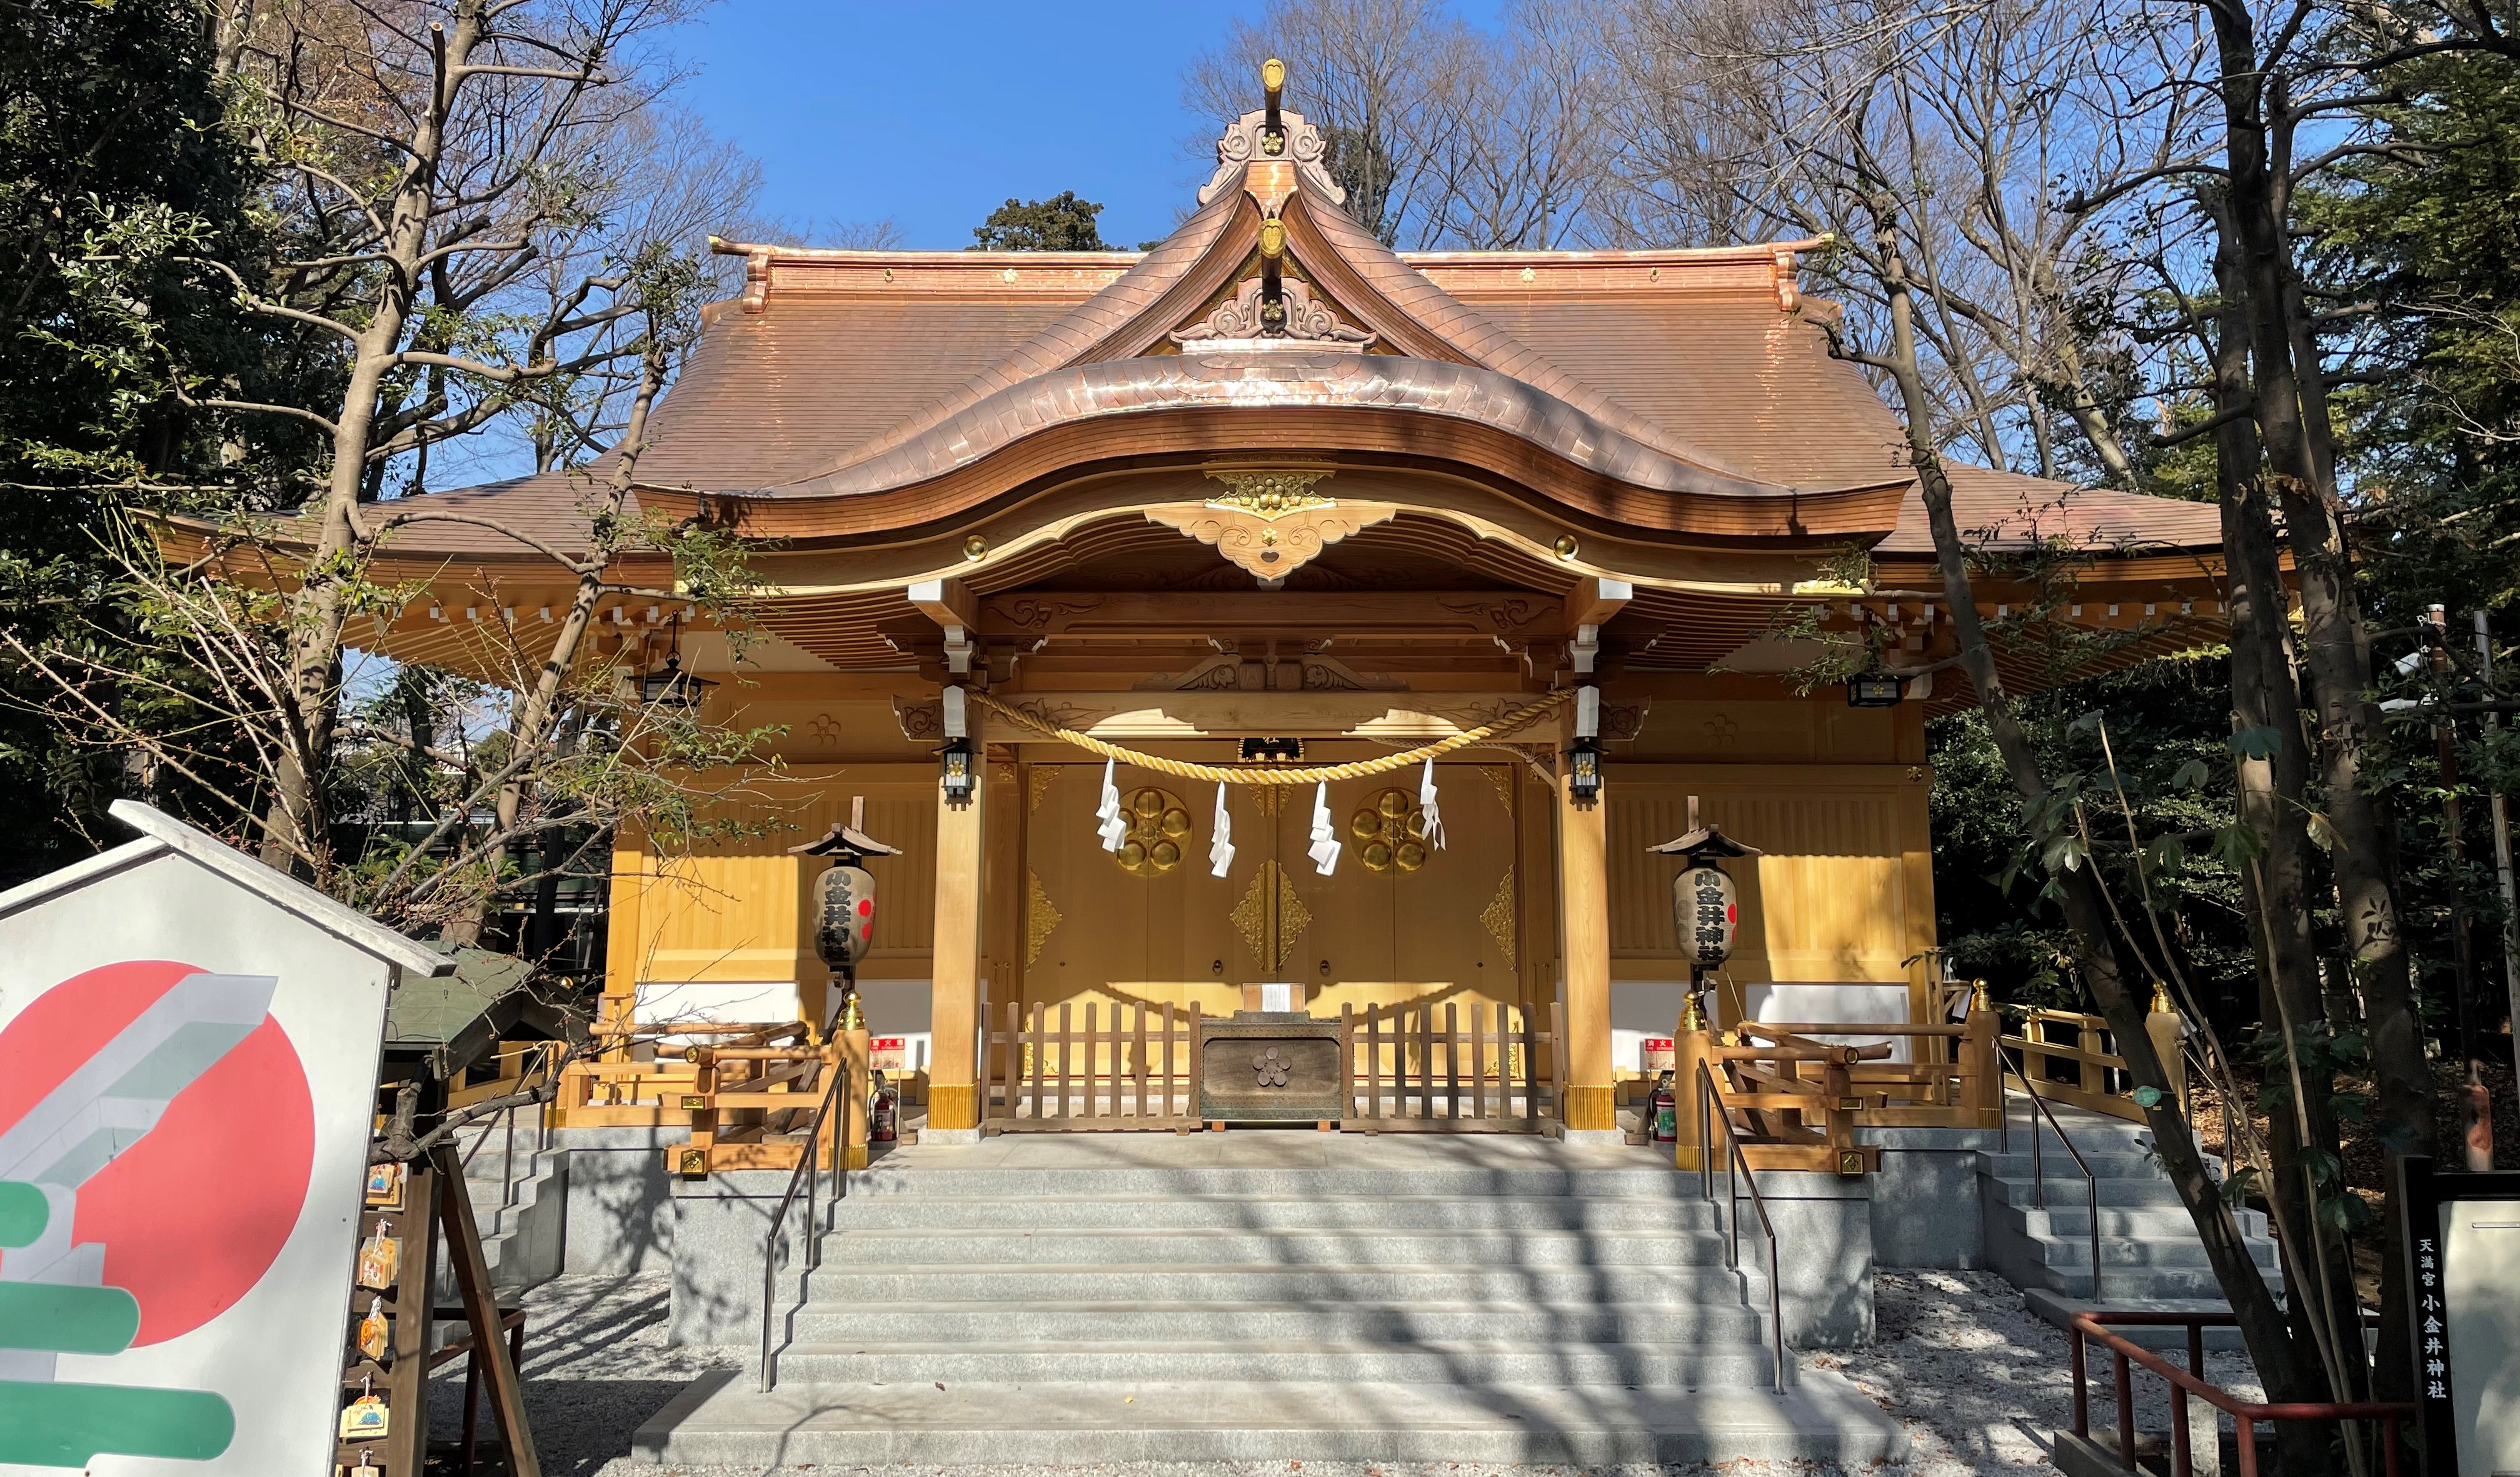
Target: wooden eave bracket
column 956, row 610
column 1589, row 607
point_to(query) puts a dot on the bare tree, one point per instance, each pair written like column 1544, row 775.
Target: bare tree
column 426, row 154
column 1381, row 79
column 1991, row 106
column 1523, row 167
column 1443, row 135
column 1931, row 143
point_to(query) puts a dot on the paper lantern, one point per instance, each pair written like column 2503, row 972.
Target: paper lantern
column 846, row 928
column 1705, row 909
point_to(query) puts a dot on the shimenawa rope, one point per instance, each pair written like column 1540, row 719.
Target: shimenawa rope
column 1381, row 764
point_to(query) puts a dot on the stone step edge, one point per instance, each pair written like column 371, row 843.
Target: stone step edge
column 1215, row 1269
column 828, row 1347
column 1822, row 1416
column 1004, row 1198
column 1248, row 1306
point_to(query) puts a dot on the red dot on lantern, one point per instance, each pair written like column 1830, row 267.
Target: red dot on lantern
column 866, row 908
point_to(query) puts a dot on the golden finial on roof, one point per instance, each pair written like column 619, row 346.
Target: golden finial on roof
column 1273, row 78
column 1272, row 238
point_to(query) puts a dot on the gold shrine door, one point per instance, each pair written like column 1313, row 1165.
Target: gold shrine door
column 1397, row 920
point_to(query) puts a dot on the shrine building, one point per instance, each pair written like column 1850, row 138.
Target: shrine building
column 1272, row 495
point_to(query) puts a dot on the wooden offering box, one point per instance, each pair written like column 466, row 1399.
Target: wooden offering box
column 1269, row 1066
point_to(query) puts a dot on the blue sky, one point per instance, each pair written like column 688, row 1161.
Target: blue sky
column 934, row 115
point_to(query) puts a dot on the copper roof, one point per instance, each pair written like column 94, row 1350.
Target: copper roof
column 1679, row 394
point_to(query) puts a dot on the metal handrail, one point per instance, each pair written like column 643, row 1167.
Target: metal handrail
column 2038, row 1175
column 1706, row 1095
column 2245, row 1414
column 808, row 1172
column 509, row 1179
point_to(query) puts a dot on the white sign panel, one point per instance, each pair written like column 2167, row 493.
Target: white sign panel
column 187, row 1059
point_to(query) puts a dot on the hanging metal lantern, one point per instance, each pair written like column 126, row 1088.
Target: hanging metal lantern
column 1705, row 909
column 957, row 775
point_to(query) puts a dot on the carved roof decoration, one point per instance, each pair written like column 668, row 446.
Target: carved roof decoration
column 1237, row 323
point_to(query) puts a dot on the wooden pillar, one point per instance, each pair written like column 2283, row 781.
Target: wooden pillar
column 624, row 939
column 1982, row 1072
column 961, row 864
column 1691, row 1050
column 1583, row 938
column 2163, row 1026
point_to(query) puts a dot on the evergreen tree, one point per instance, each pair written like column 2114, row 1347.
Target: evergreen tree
column 1061, row 223
column 111, row 145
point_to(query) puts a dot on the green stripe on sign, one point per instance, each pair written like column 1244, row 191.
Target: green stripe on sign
column 23, row 1213
column 67, row 1319
column 50, row 1425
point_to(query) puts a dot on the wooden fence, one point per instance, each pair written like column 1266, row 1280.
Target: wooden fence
column 1123, row 1067
column 1490, row 1078
column 1140, row 1074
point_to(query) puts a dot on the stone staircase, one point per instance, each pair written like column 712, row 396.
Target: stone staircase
column 2150, row 1257
column 525, row 1241
column 1079, row 1300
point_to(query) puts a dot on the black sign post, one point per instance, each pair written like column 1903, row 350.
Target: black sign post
column 2424, row 1192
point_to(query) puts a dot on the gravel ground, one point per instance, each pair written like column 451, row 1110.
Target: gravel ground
column 1978, row 1381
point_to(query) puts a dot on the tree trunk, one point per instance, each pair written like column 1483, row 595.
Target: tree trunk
column 541, row 712
column 2261, row 1320
column 2292, row 410
column 293, row 831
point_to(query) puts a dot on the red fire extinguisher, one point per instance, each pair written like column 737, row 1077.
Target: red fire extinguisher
column 883, row 1123
column 1665, row 1106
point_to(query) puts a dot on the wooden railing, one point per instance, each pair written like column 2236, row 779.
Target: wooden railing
column 1042, row 1072
column 752, row 1106
column 1786, row 1103
column 1794, row 1100
column 2096, row 1075
column 1956, row 1083
column 1490, row 1078
column 614, row 1089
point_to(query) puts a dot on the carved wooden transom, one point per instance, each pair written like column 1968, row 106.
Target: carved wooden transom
column 1270, row 522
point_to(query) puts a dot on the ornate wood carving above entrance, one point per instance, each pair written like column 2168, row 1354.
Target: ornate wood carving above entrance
column 1269, row 916
column 1270, row 522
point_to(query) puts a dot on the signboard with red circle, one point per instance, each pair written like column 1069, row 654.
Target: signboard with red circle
column 187, row 1056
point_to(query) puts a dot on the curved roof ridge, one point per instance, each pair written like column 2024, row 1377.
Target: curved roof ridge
column 1074, row 336
column 1478, row 339
column 1290, row 377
